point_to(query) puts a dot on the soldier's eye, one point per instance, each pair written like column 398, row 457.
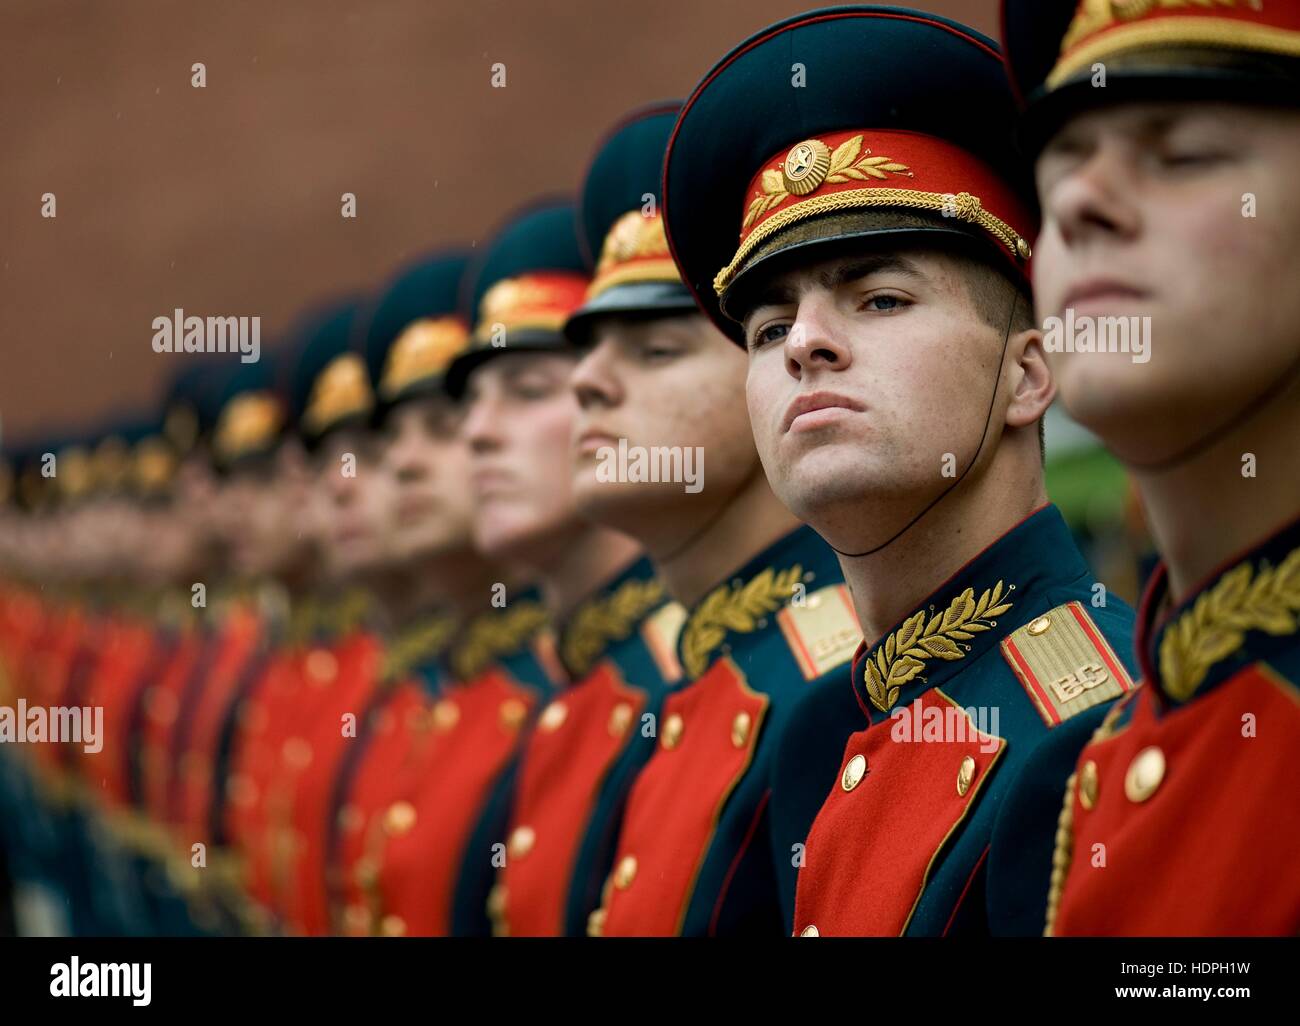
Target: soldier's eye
column 767, row 334
column 884, row 303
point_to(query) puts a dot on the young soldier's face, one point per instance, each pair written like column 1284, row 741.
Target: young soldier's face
column 668, row 389
column 353, row 504
column 261, row 511
column 1187, row 214
column 518, row 416
column 428, row 463
column 870, row 380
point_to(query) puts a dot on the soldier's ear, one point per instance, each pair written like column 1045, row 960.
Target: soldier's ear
column 1032, row 387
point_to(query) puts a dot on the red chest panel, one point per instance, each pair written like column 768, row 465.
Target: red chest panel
column 113, row 688
column 707, row 736
column 420, row 867
column 578, row 737
column 309, row 784
column 162, row 707
column 394, row 760
column 251, row 756
column 871, row 847
column 1213, row 848
column 194, row 800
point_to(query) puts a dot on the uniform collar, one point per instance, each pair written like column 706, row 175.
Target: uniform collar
column 1243, row 612
column 969, row 613
column 742, row 607
column 496, row 635
column 418, row 644
column 608, row 616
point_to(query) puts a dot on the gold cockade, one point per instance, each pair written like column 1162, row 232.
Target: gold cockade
column 802, row 172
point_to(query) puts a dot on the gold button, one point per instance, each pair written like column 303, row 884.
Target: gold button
column 625, row 873
column 673, row 728
column 854, row 770
column 965, row 775
column 740, row 729
column 366, row 872
column 399, row 818
column 553, row 716
column 522, row 840
column 596, row 923
column 1088, row 785
column 446, row 714
column 357, row 920
column 392, row 926
column 1039, row 626
column 496, row 902
column 620, row 718
column 350, row 819
column 1022, row 249
column 322, row 667
column 296, row 753
column 809, row 931
column 1144, row 774
column 513, row 713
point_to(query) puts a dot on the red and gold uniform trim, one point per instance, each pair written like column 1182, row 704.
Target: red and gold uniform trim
column 1106, row 28
column 1064, row 663
column 542, row 300
column 341, row 390
column 248, row 422
column 424, row 349
column 635, row 249
column 861, row 169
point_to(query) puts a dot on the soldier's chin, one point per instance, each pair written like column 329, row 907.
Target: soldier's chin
column 815, row 478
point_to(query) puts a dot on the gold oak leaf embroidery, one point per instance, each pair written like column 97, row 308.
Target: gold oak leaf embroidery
column 417, row 646
column 1216, row 625
column 844, row 166
column 906, row 651
column 599, row 622
column 492, row 635
column 734, row 608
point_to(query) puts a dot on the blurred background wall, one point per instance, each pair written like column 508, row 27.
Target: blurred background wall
column 225, row 200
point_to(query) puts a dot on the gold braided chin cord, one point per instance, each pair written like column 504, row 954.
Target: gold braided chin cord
column 962, row 205
column 1061, row 855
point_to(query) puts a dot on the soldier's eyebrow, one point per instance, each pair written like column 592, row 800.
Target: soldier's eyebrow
column 787, row 290
column 833, row 277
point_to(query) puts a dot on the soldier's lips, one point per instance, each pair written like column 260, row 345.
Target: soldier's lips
column 415, row 507
column 487, row 484
column 816, row 409
column 1103, row 293
column 593, row 440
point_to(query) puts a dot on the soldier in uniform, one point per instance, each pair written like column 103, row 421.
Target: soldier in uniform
column 862, row 230
column 438, row 864
column 1180, row 817
column 767, row 619
column 413, row 331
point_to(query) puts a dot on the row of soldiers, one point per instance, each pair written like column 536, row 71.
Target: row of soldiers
column 681, row 563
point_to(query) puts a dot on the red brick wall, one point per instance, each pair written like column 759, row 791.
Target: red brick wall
column 225, row 200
